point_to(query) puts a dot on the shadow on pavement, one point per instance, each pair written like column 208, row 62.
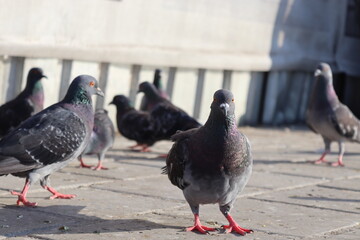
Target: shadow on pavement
column 65, row 219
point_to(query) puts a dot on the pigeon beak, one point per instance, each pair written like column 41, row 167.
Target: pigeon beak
column 44, row 76
column 112, row 102
column 317, row 72
column 225, row 108
column 99, row 92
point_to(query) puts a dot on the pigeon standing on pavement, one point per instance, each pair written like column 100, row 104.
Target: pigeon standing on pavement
column 29, row 102
column 133, row 124
column 327, row 116
column 213, row 163
column 145, row 105
column 47, row 141
column 167, row 116
column 102, row 138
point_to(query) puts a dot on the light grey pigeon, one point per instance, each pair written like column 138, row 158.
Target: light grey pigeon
column 327, row 116
column 102, row 138
column 213, row 163
column 47, row 141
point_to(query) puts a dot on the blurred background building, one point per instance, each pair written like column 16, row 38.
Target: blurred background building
column 265, row 51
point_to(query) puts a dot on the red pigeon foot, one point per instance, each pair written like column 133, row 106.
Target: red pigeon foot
column 233, row 226
column 197, row 226
column 58, row 195
column 22, row 199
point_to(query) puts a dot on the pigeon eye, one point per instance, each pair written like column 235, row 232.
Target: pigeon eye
column 214, row 99
column 92, row 84
column 232, row 100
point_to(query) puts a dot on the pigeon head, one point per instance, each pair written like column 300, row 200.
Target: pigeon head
column 148, row 89
column 323, row 73
column 121, row 102
column 223, row 103
column 81, row 89
column 34, row 75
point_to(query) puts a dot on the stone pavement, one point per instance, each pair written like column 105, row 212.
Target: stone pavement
column 286, row 198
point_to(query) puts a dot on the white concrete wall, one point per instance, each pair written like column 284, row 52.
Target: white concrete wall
column 243, row 35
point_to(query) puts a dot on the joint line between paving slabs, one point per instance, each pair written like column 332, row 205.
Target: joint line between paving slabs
column 303, row 205
column 336, row 231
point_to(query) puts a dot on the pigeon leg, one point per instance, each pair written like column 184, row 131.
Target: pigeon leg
column 145, row 148
column 45, row 184
column 326, row 151
column 197, row 226
column 82, row 164
column 100, row 166
column 233, row 226
column 135, row 146
column 341, row 154
column 22, row 195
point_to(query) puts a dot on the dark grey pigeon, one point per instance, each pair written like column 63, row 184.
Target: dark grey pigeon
column 213, row 163
column 47, row 141
column 168, row 117
column 29, row 102
column 133, row 124
column 145, row 105
column 102, row 138
column 327, row 116
column 152, row 95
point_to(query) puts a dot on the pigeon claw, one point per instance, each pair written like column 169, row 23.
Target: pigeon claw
column 57, row 194
column 99, row 167
column 22, row 199
column 200, row 228
column 143, row 148
column 319, row 161
column 234, row 227
column 338, row 164
column 197, row 226
column 62, row 196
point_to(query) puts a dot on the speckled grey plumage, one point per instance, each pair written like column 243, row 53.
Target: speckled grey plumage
column 213, row 163
column 29, row 102
column 47, row 141
column 327, row 116
column 102, row 137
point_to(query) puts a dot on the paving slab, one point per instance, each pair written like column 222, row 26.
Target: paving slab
column 286, row 198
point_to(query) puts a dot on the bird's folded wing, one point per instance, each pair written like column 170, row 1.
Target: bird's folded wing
column 177, row 158
column 345, row 123
column 48, row 137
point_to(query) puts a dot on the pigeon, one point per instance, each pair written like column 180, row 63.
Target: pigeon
column 213, row 163
column 145, row 105
column 167, row 116
column 102, row 138
column 47, row 141
column 327, row 116
column 133, row 124
column 29, row 102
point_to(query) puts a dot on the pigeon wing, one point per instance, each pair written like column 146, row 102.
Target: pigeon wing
column 345, row 123
column 177, row 158
column 13, row 113
column 48, row 137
